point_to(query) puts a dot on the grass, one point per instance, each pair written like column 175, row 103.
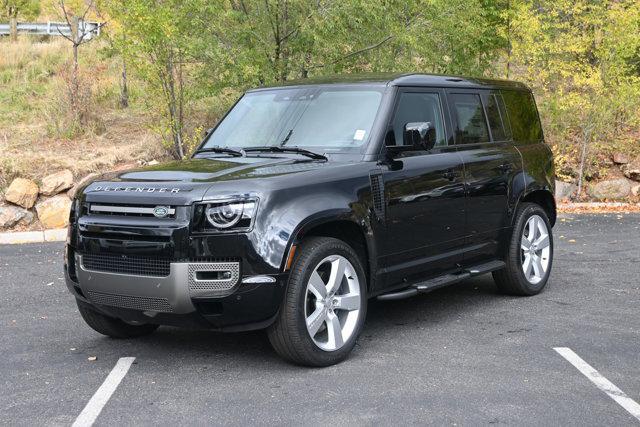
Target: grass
column 36, row 138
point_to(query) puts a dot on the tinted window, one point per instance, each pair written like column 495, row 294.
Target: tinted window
column 496, row 123
column 416, row 107
column 523, row 115
column 472, row 126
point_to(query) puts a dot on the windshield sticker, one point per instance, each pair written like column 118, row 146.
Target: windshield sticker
column 359, row 135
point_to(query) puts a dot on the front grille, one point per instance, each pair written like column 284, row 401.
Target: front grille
column 127, row 264
column 133, row 302
column 145, row 211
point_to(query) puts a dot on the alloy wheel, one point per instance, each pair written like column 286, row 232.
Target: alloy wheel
column 535, row 247
column 332, row 303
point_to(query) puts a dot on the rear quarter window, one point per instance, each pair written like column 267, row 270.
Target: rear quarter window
column 523, row 115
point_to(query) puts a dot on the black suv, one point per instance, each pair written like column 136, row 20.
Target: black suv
column 307, row 200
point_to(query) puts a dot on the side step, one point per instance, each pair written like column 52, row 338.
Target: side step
column 439, row 282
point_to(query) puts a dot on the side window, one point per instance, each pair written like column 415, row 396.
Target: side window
column 523, row 115
column 472, row 125
column 416, row 107
column 495, row 116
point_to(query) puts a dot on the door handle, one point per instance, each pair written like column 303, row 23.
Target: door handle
column 449, row 174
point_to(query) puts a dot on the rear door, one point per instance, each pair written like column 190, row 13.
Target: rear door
column 491, row 163
column 424, row 191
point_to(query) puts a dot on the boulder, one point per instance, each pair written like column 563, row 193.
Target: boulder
column 632, row 170
column 57, row 182
column 22, row 192
column 635, row 190
column 565, row 190
column 72, row 193
column 54, row 212
column 13, row 215
column 620, row 159
column 610, row 189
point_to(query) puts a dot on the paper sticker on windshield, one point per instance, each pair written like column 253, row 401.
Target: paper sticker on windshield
column 359, row 135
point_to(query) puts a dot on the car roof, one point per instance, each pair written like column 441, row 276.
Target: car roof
column 406, row 79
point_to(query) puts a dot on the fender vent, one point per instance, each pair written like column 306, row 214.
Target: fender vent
column 377, row 194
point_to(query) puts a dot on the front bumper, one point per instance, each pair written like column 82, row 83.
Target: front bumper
column 182, row 298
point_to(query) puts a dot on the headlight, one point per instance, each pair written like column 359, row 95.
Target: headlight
column 229, row 215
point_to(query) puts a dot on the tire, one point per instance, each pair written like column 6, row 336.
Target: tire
column 321, row 258
column 110, row 326
column 512, row 279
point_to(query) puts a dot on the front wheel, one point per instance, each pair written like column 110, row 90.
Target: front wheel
column 530, row 253
column 324, row 306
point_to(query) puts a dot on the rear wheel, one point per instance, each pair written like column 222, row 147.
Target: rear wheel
column 530, row 253
column 110, row 326
column 324, row 307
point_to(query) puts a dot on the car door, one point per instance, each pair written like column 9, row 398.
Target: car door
column 424, row 191
column 491, row 163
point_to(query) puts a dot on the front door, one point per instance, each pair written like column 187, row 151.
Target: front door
column 425, row 200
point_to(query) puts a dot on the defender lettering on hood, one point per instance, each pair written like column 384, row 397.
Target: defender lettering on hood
column 137, row 189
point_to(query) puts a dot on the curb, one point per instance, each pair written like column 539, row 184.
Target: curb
column 52, row 235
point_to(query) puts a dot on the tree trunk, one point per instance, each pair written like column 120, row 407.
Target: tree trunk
column 586, row 136
column 75, row 85
column 13, row 29
column 124, row 90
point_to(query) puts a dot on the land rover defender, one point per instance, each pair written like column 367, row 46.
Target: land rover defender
column 305, row 201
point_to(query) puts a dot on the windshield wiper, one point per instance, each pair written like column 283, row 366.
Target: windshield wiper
column 296, row 150
column 216, row 149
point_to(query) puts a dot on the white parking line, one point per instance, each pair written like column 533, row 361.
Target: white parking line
column 601, row 382
column 90, row 412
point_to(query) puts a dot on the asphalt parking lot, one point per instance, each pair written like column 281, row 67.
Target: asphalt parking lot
column 463, row 355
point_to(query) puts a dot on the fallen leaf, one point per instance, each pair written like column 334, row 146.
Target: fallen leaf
column 571, row 240
column 49, row 284
column 92, row 358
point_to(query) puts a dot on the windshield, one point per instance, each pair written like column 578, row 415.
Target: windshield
column 330, row 119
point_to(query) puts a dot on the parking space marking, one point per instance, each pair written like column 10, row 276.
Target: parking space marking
column 601, row 382
column 90, row 412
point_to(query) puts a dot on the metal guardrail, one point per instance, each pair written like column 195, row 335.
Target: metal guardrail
column 88, row 29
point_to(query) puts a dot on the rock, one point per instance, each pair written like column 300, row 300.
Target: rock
column 565, row 190
column 72, row 193
column 153, row 163
column 610, row 189
column 635, row 190
column 22, row 192
column 632, row 170
column 57, row 182
column 12, row 215
column 54, row 212
column 620, row 158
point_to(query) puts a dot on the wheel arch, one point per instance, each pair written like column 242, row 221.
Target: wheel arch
column 543, row 198
column 343, row 226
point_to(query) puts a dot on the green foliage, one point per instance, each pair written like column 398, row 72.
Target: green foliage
column 24, row 9
column 581, row 57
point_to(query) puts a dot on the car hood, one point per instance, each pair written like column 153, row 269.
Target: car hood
column 186, row 181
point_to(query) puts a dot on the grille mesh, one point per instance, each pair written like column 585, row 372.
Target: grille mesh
column 377, row 193
column 139, row 266
column 199, row 287
column 126, row 301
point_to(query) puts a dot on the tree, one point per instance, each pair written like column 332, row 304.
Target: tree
column 578, row 57
column 14, row 9
column 75, row 16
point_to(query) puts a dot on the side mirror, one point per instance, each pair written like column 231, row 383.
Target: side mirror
column 420, row 135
